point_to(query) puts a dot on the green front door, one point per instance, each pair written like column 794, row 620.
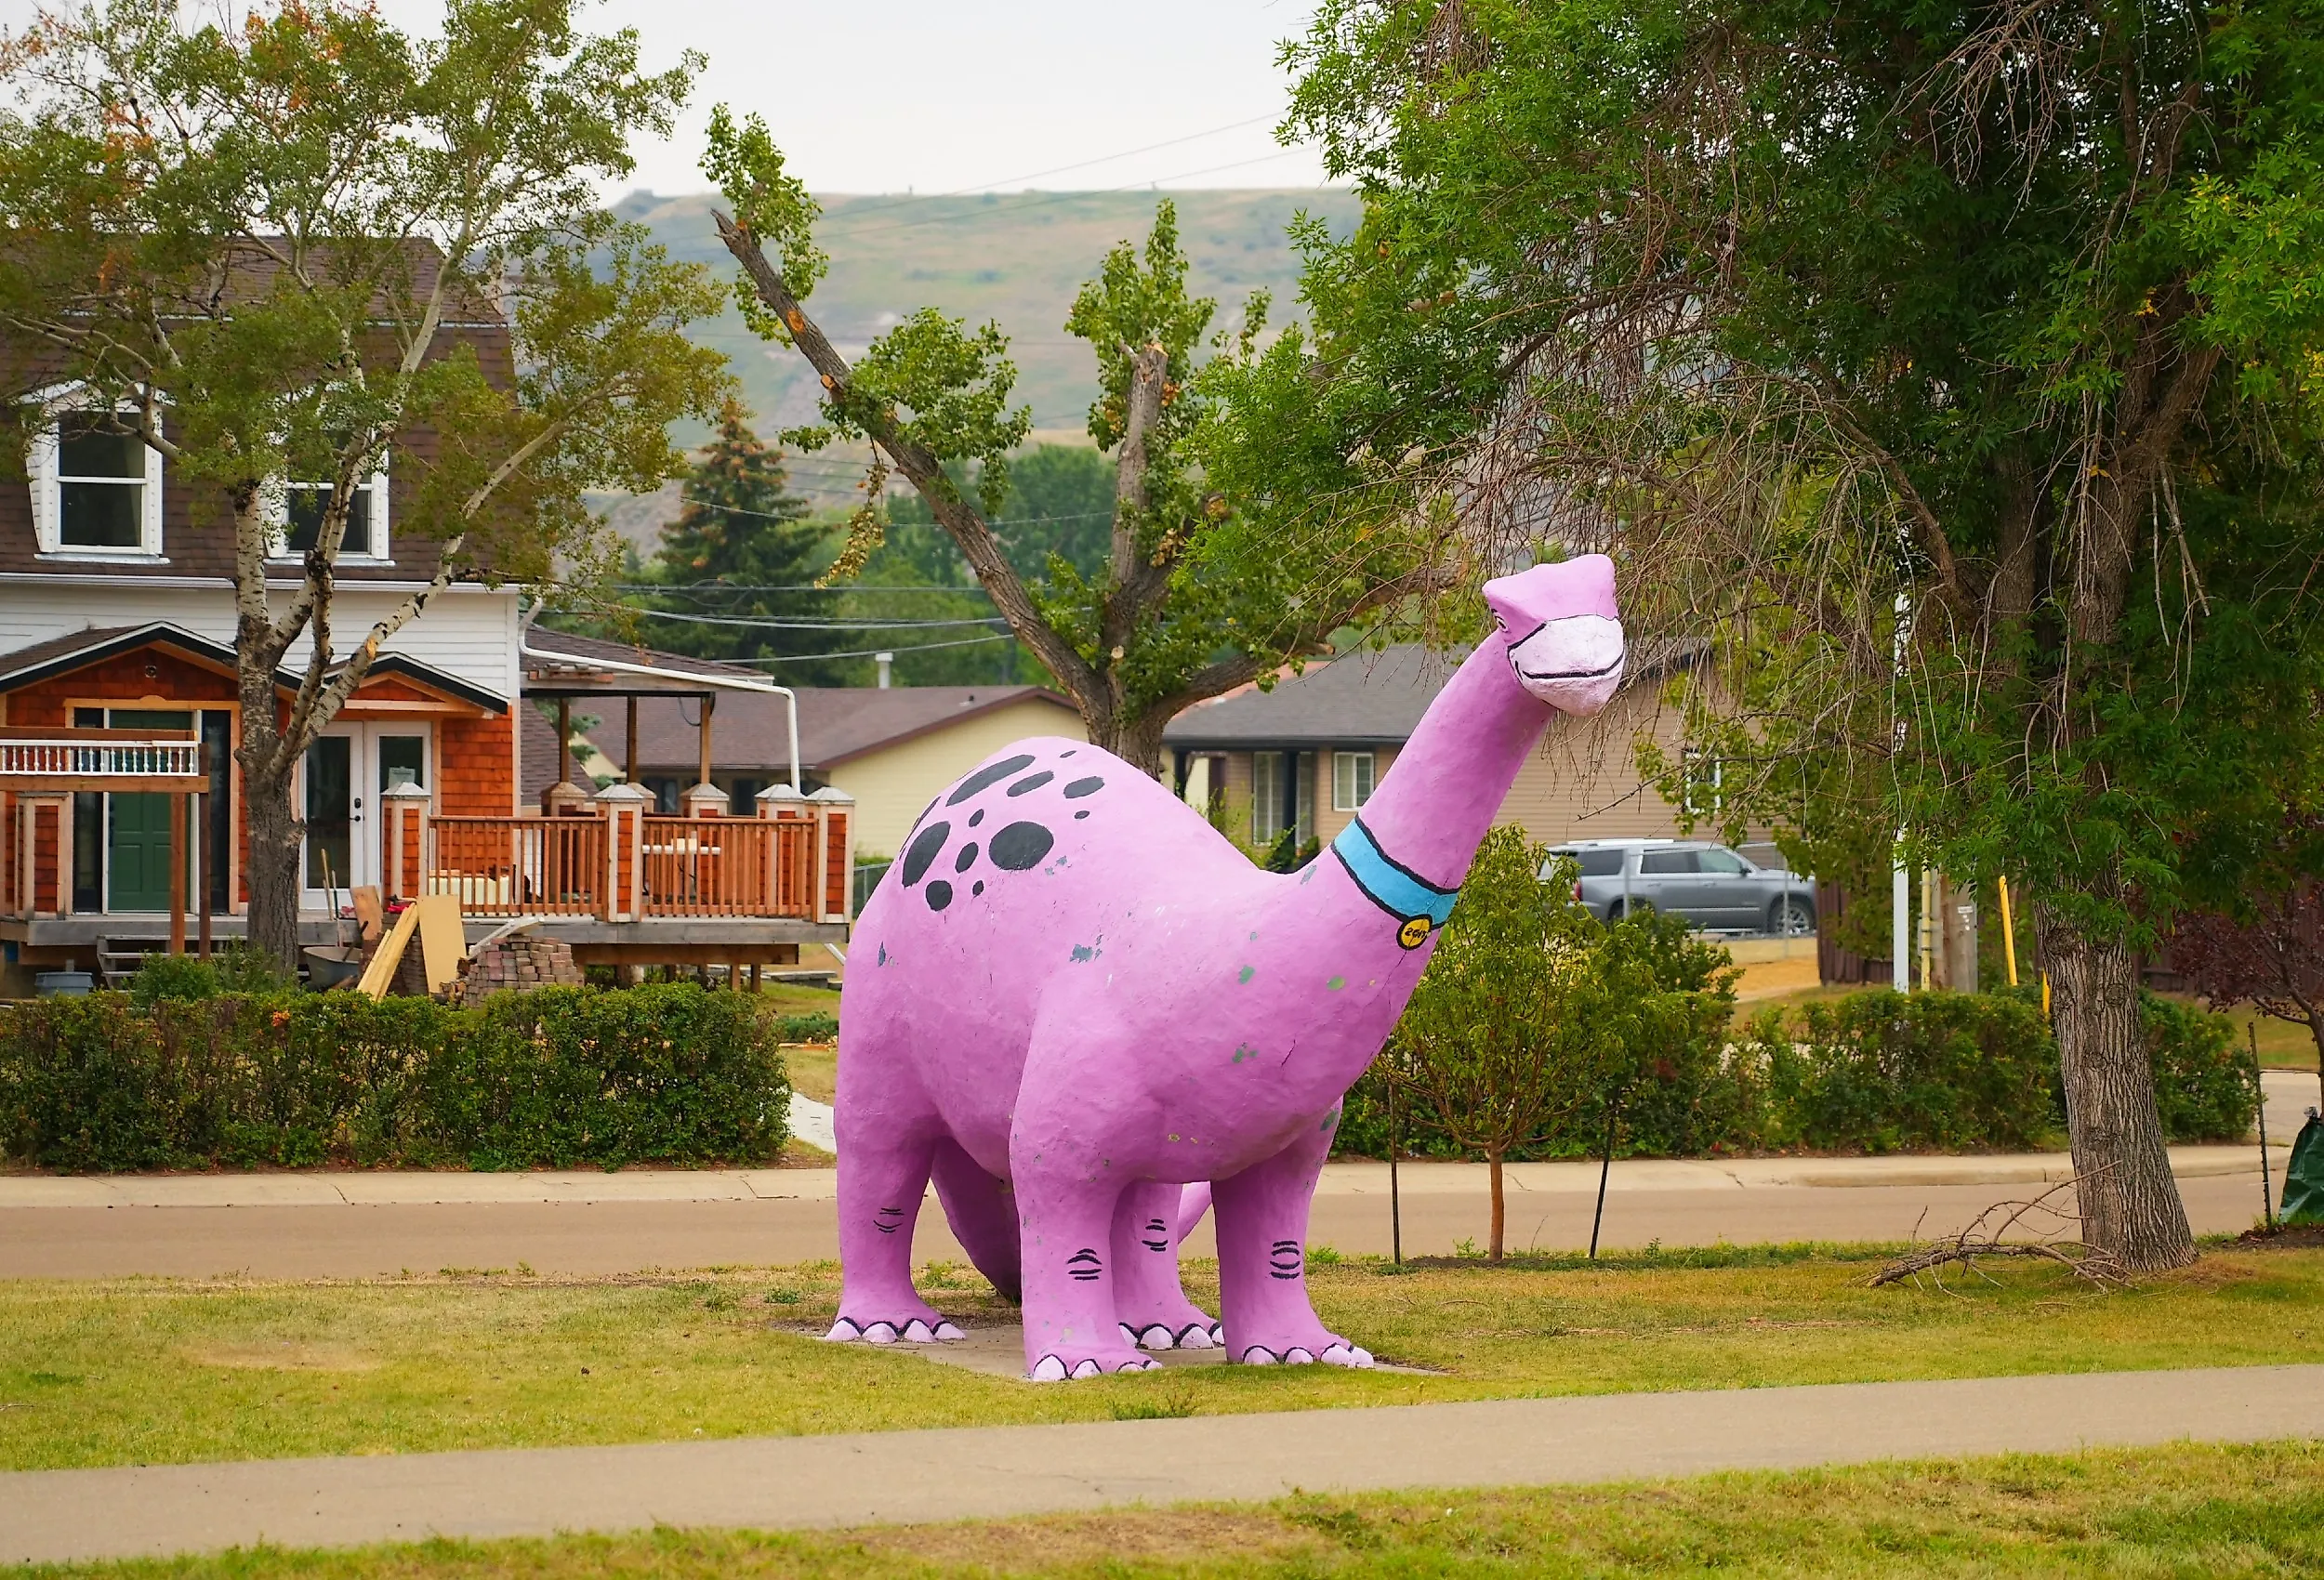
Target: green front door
column 141, row 853
column 138, row 830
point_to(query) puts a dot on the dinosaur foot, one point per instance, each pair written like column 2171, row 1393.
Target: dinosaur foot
column 1336, row 1352
column 911, row 1330
column 1202, row 1334
column 1053, row 1367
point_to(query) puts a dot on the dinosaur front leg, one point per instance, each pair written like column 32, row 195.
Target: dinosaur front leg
column 1262, row 1261
column 1152, row 1308
column 1066, row 1204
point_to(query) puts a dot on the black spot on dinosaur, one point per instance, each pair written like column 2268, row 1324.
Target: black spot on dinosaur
column 924, row 849
column 992, row 773
column 979, row 889
column 1063, row 755
column 1019, row 846
column 939, row 895
column 1079, row 815
column 1032, row 782
column 976, row 817
column 1082, row 787
column 966, row 859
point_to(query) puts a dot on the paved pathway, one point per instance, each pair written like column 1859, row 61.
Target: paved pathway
column 984, row 1472
column 346, row 1225
column 588, row 1222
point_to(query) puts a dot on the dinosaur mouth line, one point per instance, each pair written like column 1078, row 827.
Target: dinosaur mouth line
column 1568, row 674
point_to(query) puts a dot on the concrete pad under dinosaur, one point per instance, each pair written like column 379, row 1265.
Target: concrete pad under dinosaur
column 999, row 1352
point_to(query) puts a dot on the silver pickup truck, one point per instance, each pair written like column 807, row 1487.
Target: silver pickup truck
column 1711, row 885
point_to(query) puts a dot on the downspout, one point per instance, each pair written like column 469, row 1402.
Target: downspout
column 722, row 683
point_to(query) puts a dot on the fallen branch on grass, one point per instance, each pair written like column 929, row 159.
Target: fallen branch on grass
column 2041, row 1226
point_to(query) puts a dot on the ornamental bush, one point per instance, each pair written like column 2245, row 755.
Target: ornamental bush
column 558, row 1077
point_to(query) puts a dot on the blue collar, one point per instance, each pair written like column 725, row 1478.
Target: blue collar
column 1418, row 904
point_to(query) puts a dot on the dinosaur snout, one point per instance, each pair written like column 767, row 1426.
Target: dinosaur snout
column 1573, row 664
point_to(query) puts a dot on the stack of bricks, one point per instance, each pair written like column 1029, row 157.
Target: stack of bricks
column 515, row 964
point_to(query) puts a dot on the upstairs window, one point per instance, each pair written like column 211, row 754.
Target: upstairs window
column 96, row 488
column 301, row 507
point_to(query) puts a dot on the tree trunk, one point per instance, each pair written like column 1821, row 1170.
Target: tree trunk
column 1493, row 1167
column 273, row 870
column 2130, row 1204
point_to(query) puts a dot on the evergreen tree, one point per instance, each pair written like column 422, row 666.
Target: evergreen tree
column 745, row 549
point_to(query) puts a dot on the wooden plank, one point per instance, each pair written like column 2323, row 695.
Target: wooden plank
column 381, row 971
column 443, row 942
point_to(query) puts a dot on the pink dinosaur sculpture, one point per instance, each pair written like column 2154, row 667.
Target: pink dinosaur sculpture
column 1069, row 998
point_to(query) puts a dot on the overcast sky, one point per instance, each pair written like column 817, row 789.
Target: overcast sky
column 939, row 95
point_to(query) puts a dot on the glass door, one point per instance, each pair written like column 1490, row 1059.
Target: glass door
column 347, row 769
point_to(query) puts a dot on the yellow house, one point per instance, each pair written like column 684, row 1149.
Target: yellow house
column 892, row 749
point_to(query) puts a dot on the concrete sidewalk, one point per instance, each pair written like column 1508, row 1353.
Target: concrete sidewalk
column 914, row 1477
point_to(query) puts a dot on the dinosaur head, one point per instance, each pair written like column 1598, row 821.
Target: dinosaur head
column 1564, row 633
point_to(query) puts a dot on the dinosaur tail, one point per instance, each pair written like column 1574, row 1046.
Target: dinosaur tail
column 1193, row 1203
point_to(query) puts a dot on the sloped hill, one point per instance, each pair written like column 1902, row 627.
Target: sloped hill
column 1014, row 257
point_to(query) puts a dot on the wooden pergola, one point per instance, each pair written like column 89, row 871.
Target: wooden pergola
column 39, row 766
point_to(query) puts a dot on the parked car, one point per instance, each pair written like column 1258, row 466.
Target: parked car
column 1710, row 885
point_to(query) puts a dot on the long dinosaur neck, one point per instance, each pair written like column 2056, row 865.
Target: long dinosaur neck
column 1439, row 797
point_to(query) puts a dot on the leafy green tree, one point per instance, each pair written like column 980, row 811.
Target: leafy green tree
column 1159, row 623
column 1954, row 369
column 741, row 561
column 252, row 246
column 1531, row 1013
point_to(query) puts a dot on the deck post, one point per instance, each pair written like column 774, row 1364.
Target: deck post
column 622, row 899
column 779, row 804
column 709, row 706
column 407, row 838
column 834, row 854
column 630, row 742
column 177, row 854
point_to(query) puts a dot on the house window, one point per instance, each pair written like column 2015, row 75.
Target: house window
column 97, row 488
column 1350, row 780
column 303, row 504
column 1700, row 782
column 1266, row 797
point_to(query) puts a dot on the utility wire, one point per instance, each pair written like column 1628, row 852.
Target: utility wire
column 845, row 215
column 1066, row 197
column 874, row 652
column 809, row 623
column 1003, row 522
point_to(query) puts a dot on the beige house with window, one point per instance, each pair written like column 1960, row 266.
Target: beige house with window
column 1306, row 753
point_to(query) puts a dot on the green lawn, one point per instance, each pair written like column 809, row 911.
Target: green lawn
column 2219, row 1513
column 145, row 1371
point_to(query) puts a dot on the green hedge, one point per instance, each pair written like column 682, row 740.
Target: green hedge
column 552, row 1078
column 1876, row 1071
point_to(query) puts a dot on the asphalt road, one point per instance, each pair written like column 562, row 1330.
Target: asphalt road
column 1441, row 1207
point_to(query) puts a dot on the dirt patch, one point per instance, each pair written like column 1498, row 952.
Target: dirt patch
column 1106, row 1542
column 2283, row 1237
column 286, row 1356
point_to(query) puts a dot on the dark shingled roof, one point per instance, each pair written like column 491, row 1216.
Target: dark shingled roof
column 836, row 723
column 1361, row 698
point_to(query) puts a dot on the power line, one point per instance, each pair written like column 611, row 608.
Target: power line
column 1052, row 170
column 874, row 652
column 1001, row 521
column 808, row 623
column 785, row 587
column 1066, row 197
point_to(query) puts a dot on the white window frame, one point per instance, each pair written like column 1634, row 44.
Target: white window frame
column 1348, row 796
column 44, row 464
column 275, row 501
column 1266, row 797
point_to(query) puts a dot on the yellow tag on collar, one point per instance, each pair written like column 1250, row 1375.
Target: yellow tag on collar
column 1414, row 933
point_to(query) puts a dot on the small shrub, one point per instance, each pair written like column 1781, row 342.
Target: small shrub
column 816, row 1027
column 1888, row 1072
column 174, row 977
column 2204, row 1084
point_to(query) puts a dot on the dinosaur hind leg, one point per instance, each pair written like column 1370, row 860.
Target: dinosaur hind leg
column 982, row 1217
column 1148, row 1299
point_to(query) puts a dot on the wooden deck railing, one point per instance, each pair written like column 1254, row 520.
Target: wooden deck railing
column 520, row 866
column 616, row 863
